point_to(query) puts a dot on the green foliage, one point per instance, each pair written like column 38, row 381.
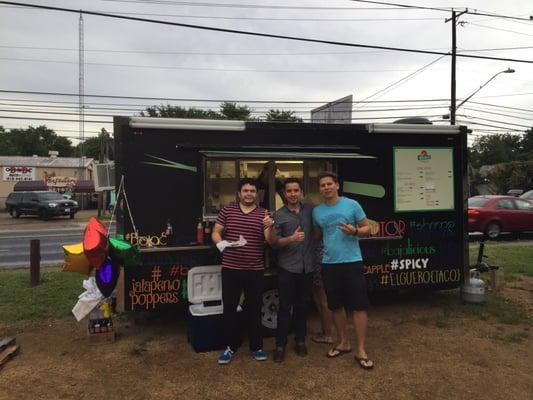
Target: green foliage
column 93, row 145
column 168, row 111
column 27, row 142
column 282, row 116
column 227, row 110
column 494, row 149
column 512, row 175
column 233, row 111
column 512, row 157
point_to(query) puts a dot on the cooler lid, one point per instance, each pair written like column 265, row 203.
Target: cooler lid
column 204, row 283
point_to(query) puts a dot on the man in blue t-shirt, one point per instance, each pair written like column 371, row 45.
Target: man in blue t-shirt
column 341, row 222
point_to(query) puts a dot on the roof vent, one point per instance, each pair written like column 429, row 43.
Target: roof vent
column 53, row 153
column 35, row 156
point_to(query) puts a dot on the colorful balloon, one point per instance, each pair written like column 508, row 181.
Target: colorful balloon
column 107, row 277
column 75, row 260
column 123, row 252
column 95, row 244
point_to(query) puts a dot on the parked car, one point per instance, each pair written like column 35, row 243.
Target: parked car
column 495, row 214
column 527, row 195
column 45, row 204
column 515, row 192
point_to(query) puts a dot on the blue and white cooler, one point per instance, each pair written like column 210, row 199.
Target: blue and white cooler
column 204, row 291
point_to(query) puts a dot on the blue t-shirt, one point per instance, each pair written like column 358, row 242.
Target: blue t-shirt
column 338, row 246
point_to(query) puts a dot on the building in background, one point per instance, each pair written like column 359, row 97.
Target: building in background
column 67, row 175
column 335, row 112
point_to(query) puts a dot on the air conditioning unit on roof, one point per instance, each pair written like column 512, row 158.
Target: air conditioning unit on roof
column 104, row 177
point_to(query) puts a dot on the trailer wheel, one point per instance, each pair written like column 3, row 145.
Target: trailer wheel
column 269, row 308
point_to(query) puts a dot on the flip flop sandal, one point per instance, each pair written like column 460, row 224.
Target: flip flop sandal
column 336, row 352
column 321, row 340
column 363, row 362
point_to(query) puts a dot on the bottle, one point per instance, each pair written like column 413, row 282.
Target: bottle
column 200, row 232
column 168, row 232
column 207, row 232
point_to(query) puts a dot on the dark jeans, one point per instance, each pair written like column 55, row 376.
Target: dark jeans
column 294, row 292
column 234, row 282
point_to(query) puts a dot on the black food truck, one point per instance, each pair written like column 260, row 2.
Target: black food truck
column 177, row 174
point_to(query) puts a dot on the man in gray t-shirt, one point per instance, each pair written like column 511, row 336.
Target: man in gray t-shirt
column 294, row 243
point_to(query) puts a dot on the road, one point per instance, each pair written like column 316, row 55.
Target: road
column 15, row 245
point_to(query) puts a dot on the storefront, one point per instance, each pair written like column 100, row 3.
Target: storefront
column 43, row 173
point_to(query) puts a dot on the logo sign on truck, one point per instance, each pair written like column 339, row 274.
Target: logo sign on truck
column 15, row 174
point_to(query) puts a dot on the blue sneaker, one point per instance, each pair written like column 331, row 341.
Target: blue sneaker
column 259, row 355
column 226, row 356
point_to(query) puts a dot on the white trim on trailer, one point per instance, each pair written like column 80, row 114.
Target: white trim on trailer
column 413, row 128
column 190, row 124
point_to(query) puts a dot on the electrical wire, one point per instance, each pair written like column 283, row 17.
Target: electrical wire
column 399, row 82
column 196, row 53
column 259, row 34
column 499, row 106
column 245, row 6
column 184, row 68
column 496, row 113
column 444, row 9
column 498, row 29
column 206, row 100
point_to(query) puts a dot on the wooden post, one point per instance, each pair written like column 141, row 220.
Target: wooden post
column 35, row 262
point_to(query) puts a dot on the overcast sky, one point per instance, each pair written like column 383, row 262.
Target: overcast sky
column 39, row 53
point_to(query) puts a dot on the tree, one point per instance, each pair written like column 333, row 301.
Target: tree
column 494, row 149
column 30, row 141
column 168, row 111
column 93, row 145
column 233, row 111
column 526, row 145
column 282, row 116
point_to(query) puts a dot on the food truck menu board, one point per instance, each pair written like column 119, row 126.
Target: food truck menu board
column 423, row 179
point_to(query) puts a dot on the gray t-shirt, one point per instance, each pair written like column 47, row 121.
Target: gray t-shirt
column 296, row 257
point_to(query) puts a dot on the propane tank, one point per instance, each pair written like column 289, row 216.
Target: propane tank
column 473, row 291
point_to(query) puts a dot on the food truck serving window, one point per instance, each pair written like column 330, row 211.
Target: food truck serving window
column 222, row 175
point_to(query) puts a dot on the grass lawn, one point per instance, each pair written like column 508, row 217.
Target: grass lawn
column 59, row 291
column 54, row 297
column 514, row 258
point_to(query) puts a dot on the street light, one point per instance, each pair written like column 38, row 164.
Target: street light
column 507, row 71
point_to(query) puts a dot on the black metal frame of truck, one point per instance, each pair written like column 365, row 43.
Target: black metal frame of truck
column 410, row 180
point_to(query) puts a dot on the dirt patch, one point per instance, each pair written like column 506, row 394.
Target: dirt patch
column 415, row 356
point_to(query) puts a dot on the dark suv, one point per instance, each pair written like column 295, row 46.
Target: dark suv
column 41, row 203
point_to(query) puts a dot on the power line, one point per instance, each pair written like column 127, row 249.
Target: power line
column 143, row 108
column 401, row 81
column 230, row 18
column 499, row 29
column 207, row 100
column 184, row 68
column 499, row 106
column 496, row 113
column 55, row 119
column 489, row 125
column 258, row 34
column 446, row 9
column 491, row 120
column 249, row 6
column 197, row 53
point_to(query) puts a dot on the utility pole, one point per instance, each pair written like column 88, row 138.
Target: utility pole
column 453, row 97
